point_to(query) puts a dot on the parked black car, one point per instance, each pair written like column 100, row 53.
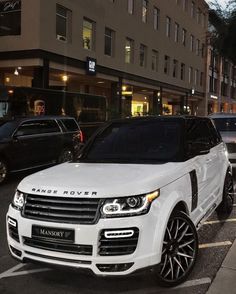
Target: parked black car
column 33, row 142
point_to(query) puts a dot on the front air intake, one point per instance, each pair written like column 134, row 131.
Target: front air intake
column 118, row 241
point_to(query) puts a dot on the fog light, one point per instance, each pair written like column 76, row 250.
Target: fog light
column 12, row 222
column 119, row 234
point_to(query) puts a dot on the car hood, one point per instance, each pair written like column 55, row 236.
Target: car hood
column 228, row 137
column 101, row 180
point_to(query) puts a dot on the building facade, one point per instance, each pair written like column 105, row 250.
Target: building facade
column 145, row 56
column 221, row 76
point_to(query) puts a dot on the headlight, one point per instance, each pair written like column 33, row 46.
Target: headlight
column 18, row 200
column 128, row 206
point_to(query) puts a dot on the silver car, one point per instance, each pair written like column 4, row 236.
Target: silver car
column 226, row 125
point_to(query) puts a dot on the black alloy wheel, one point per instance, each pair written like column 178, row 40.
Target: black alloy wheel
column 3, row 171
column 226, row 205
column 65, row 156
column 179, row 252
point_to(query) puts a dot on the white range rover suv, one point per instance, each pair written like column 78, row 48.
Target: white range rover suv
column 134, row 199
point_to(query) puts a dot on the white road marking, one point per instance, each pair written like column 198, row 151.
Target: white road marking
column 217, row 244
column 220, row 221
column 12, row 272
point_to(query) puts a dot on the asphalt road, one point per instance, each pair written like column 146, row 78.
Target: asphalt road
column 215, row 239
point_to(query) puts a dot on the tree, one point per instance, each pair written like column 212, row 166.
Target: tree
column 223, row 36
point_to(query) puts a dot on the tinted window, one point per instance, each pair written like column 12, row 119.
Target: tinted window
column 225, row 124
column 137, row 141
column 37, row 127
column 199, row 132
column 6, row 129
column 70, row 125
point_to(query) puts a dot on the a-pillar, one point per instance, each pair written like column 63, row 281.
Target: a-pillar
column 114, row 105
column 41, row 75
column 2, row 79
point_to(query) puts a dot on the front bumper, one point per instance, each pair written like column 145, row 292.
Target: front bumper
column 146, row 254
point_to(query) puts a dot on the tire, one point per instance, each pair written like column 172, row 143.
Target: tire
column 225, row 207
column 65, row 156
column 179, row 252
column 3, row 171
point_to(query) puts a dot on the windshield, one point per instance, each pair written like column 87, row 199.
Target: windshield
column 225, row 124
column 152, row 141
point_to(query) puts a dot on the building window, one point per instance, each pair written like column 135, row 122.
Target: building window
column 193, row 9
column 190, row 75
column 201, row 79
column 197, row 47
column 176, row 32
column 175, row 68
column 192, row 43
column 184, row 36
column 156, row 15
column 199, row 16
column 196, row 74
column 88, row 34
column 130, row 6
column 154, row 60
column 109, row 42
column 185, row 5
column 203, row 50
column 62, row 23
column 168, row 24
column 142, row 55
column 10, row 18
column 144, row 11
column 129, row 51
column 167, row 65
column 182, row 71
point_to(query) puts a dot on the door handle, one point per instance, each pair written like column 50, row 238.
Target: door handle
column 208, row 160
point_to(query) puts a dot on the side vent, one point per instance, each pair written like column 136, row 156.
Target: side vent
column 194, row 185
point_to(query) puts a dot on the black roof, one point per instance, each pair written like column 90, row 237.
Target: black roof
column 161, row 117
column 39, row 117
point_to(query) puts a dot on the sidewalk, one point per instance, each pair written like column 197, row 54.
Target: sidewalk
column 225, row 280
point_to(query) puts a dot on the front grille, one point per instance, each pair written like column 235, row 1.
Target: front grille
column 118, row 245
column 61, row 209
column 231, row 147
column 58, row 246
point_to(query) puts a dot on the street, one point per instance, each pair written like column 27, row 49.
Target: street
column 215, row 239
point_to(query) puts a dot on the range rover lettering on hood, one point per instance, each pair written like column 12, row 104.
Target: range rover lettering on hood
column 65, row 192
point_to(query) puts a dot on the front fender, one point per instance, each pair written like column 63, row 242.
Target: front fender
column 177, row 192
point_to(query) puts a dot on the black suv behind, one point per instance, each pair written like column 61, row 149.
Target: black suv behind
column 33, row 142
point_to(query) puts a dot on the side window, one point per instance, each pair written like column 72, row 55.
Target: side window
column 215, row 134
column 37, row 127
column 70, row 125
column 199, row 132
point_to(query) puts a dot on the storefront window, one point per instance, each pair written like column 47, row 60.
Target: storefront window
column 10, row 18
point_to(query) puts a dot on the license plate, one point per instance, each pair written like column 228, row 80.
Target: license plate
column 53, row 233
